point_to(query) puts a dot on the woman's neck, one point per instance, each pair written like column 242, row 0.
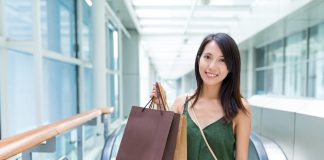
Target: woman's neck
column 210, row 92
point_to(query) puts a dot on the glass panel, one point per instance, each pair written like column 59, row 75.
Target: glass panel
column 316, row 45
column 276, row 53
column 60, row 89
column 260, row 82
column 261, row 57
column 295, row 71
column 18, row 20
column 295, row 79
column 316, row 65
column 113, row 94
column 66, row 147
column 58, row 26
column 87, row 33
column 276, row 59
column 296, row 47
column 21, row 93
column 88, row 86
column 277, row 80
column 113, row 52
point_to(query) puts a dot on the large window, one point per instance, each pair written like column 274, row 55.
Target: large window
column 113, row 76
column 269, row 68
column 60, row 89
column 316, row 63
column 87, row 30
column 275, row 73
column 58, row 26
column 293, row 66
column 22, row 111
column 295, row 71
column 18, row 19
column 88, row 89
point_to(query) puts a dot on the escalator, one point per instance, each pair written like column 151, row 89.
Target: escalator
column 260, row 148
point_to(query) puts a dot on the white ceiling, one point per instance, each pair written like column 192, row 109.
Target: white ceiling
column 171, row 30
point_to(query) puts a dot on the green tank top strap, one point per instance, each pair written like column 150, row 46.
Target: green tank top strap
column 185, row 106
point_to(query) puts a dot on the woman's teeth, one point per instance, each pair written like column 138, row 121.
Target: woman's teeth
column 211, row 75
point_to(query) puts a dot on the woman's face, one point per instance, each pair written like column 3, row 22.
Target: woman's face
column 212, row 66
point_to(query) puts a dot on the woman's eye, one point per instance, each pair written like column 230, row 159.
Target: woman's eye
column 207, row 57
column 222, row 60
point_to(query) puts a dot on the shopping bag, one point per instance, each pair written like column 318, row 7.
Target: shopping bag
column 180, row 152
column 149, row 134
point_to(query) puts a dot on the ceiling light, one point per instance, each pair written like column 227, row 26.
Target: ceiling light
column 89, row 2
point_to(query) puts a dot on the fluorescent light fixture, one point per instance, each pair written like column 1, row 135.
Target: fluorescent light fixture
column 161, row 3
column 89, row 2
column 148, row 13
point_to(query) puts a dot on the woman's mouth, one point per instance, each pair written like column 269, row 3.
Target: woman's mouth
column 211, row 75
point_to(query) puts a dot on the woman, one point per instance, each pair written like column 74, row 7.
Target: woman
column 217, row 105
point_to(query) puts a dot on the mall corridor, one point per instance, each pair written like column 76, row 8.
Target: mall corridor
column 70, row 71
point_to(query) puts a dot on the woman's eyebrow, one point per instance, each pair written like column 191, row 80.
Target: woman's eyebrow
column 207, row 53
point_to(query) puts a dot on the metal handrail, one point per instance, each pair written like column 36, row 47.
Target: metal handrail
column 19, row 143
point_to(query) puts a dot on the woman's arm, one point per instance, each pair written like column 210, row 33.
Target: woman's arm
column 242, row 131
column 177, row 105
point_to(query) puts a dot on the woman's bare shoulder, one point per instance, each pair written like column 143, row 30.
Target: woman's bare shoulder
column 178, row 103
column 243, row 116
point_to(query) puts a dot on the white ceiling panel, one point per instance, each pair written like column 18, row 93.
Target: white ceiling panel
column 172, row 30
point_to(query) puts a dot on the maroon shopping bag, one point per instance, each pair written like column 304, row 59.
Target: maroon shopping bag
column 150, row 134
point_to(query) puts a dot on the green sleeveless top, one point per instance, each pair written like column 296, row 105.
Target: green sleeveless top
column 219, row 135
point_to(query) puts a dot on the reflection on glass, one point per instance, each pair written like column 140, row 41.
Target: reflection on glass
column 295, row 71
column 21, row 93
column 60, row 90
column 260, row 82
column 113, row 94
column 261, row 57
column 295, row 79
column 18, row 20
column 86, row 33
column 276, row 60
column 296, row 47
column 88, row 86
column 113, row 51
column 58, row 26
column 316, row 63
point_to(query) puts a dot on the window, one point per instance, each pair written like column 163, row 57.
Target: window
column 295, row 72
column 316, row 63
column 113, row 94
column 113, row 76
column 60, row 89
column 113, row 53
column 276, row 61
column 88, row 86
column 21, row 92
column 87, row 34
column 18, row 19
column 261, row 58
column 58, row 26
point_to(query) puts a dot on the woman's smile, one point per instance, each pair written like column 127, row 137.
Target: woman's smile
column 211, row 75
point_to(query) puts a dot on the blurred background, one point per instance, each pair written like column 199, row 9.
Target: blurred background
column 59, row 58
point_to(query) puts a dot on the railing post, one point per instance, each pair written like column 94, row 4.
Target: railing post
column 80, row 142
column 104, row 120
column 49, row 146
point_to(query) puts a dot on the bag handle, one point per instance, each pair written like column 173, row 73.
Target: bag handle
column 160, row 96
column 202, row 133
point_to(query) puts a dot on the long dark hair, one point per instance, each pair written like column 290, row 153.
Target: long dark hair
column 230, row 87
